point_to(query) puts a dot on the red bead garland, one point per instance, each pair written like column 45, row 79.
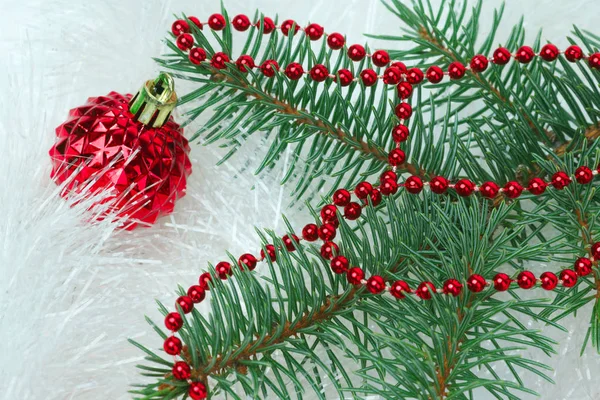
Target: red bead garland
column 216, row 22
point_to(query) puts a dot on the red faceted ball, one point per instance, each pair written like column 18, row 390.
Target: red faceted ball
column 464, row 187
column 526, row 280
column 216, row 22
column 287, row 25
column 172, row 346
column 537, row 186
column 319, row 73
column 392, row 76
column 583, row 266
column 185, row 41
column 240, row 22
column 388, row 175
column 549, row 280
column 180, row 26
column 388, row 187
column 595, row 251
column 197, row 391
column 173, row 321
column 435, row 74
column 294, row 71
column 102, row 148
column 336, row 41
column 549, row 52
column 594, row 61
column 414, row 184
column 181, row 371
column 356, row 52
column 404, row 111
column 196, row 22
column 404, row 90
column 452, row 287
column 352, row 211
column 329, row 213
column 381, row 58
column 329, row 250
column 584, row 175
column 489, row 190
column 414, row 76
column 574, row 53
column 270, row 251
column 501, row 56
column 400, row 65
column 425, row 290
column 310, row 232
column 368, row 77
column 339, row 264
column 363, row 190
column 290, row 242
column 375, row 197
column 396, row 157
column 502, row 282
column 525, row 55
column 355, row 275
column 204, row 281
column 223, row 270
column 269, row 68
column 375, row 284
column 439, row 185
column 476, row 283
column 197, row 55
column 266, row 24
column 345, row 77
column 196, row 293
column 399, row 288
column 186, row 304
column 560, row 180
column 327, row 232
column 456, row 70
column 400, row 133
column 218, row 60
column 513, row 190
column 569, row 277
column 341, row 197
column 314, row 31
column 245, row 63
column 479, row 63
column 247, row 260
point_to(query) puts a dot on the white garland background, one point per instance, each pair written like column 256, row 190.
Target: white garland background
column 71, row 292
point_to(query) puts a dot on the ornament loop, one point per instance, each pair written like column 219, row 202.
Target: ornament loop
column 153, row 104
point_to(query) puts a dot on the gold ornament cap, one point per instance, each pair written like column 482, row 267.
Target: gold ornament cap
column 155, row 101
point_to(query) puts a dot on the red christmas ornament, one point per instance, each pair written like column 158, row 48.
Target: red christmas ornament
column 287, row 25
column 196, row 293
column 310, row 232
column 355, row 275
column 345, row 77
column 269, row 68
column 131, row 150
column 197, row 391
column 396, row 157
column 240, row 22
column 172, row 345
column 537, row 186
column 525, row 55
column 267, row 25
column 404, row 111
column 356, row 52
column 414, row 184
column 583, row 266
column 180, row 26
column 329, row 213
column 435, row 74
column 185, row 41
column 388, row 175
column 439, row 185
column 549, row 280
column 314, row 31
column 399, row 288
column 186, row 304
column 456, row 70
column 245, row 63
column 594, row 61
column 218, row 60
column 363, row 190
column 369, row 77
column 290, row 242
column 569, row 277
column 452, row 287
column 329, row 250
column 336, row 41
column 375, row 284
column 392, row 76
column 341, row 197
column 560, row 180
column 270, row 252
column 549, row 52
column 216, row 22
column 388, row 187
column 595, row 251
column 197, row 55
column 404, row 90
column 425, row 290
column 319, row 73
column 181, row 371
column 375, row 197
column 501, row 56
column 502, row 282
column 327, row 232
column 526, row 280
column 247, row 260
column 173, row 321
column 489, row 190
column 294, row 71
column 401, row 66
column 352, row 211
column 339, row 264
column 479, row 63
column 574, row 53
column 464, row 187
column 400, row 133
column 223, row 270
column 204, row 280
column 196, row 21
column 512, row 190
column 414, row 76
column 381, row 58
column 584, row 175
column 476, row 283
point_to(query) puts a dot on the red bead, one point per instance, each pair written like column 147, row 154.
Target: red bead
column 196, row 22
column 403, row 111
column 414, row 184
column 595, row 251
column 404, row 90
column 375, row 284
column 464, row 187
column 294, row 71
column 456, row 70
column 392, row 76
column 396, row 157
column 584, row 175
column 218, row 60
column 240, row 22
column 216, row 22
column 197, row 55
column 327, row 232
column 204, row 280
column 439, row 185
column 345, row 76
column 271, row 251
column 526, row 280
column 501, row 56
column 560, row 180
column 181, row 371
column 574, row 53
column 537, row 186
column 476, row 283
column 452, row 287
column 172, row 346
column 352, row 211
column 355, row 275
column 173, row 321
column 186, row 304
column 290, row 242
column 245, row 63
column 185, row 41
column 549, row 52
column 341, row 197
column 197, row 391
column 368, row 77
column 268, row 26
column 513, row 190
column 381, row 58
column 247, row 260
column 223, row 269
column 287, row 25
column 525, row 54
column 502, row 282
column 375, row 197
column 435, row 74
column 329, row 213
column 363, row 190
column 425, row 290
column 196, row 293
column 489, row 190
column 388, row 175
column 400, row 133
column 414, row 76
column 314, row 31
column 583, row 266
column 180, row 26
column 549, row 280
column 356, row 52
column 569, row 277
column 594, row 61
column 319, row 73
column 336, row 41
column 479, row 63
column 339, row 264
column 401, row 66
column 388, row 187
column 269, row 68
column 310, row 232
column 329, row 250
column 399, row 288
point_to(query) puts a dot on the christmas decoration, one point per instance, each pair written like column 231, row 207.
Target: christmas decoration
column 130, row 148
